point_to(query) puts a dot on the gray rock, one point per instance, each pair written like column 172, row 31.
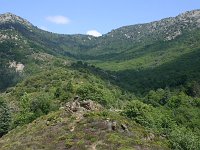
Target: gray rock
column 124, row 127
column 114, row 125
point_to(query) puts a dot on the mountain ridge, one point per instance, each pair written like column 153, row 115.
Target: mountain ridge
column 10, row 17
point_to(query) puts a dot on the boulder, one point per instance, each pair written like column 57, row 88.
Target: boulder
column 114, row 125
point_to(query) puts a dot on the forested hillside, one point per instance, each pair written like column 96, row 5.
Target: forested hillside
column 136, row 87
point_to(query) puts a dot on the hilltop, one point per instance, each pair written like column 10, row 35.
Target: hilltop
column 82, row 126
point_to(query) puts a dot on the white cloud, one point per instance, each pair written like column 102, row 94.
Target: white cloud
column 58, row 19
column 94, row 33
column 43, row 28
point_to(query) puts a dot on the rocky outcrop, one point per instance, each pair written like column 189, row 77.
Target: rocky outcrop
column 82, row 106
column 19, row 67
column 165, row 29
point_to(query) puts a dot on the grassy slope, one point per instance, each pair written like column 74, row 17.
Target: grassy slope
column 89, row 132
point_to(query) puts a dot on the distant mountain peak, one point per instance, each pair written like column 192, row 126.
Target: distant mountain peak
column 12, row 18
column 191, row 14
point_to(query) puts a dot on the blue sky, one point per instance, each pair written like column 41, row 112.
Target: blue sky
column 81, row 16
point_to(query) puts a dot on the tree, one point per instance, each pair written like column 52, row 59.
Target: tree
column 5, row 117
column 193, row 89
column 25, row 115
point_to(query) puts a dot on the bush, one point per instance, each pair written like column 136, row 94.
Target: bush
column 149, row 116
column 91, row 92
column 139, row 112
column 41, row 105
column 31, row 108
column 64, row 92
column 183, row 138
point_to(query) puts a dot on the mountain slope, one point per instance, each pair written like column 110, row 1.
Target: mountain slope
column 134, row 37
column 21, row 42
column 136, row 63
column 51, row 41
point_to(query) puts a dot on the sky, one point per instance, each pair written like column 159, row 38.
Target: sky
column 94, row 17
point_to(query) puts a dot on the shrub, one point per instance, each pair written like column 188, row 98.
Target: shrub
column 91, row 92
column 41, row 105
column 31, row 108
column 139, row 112
column 149, row 116
column 183, row 138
